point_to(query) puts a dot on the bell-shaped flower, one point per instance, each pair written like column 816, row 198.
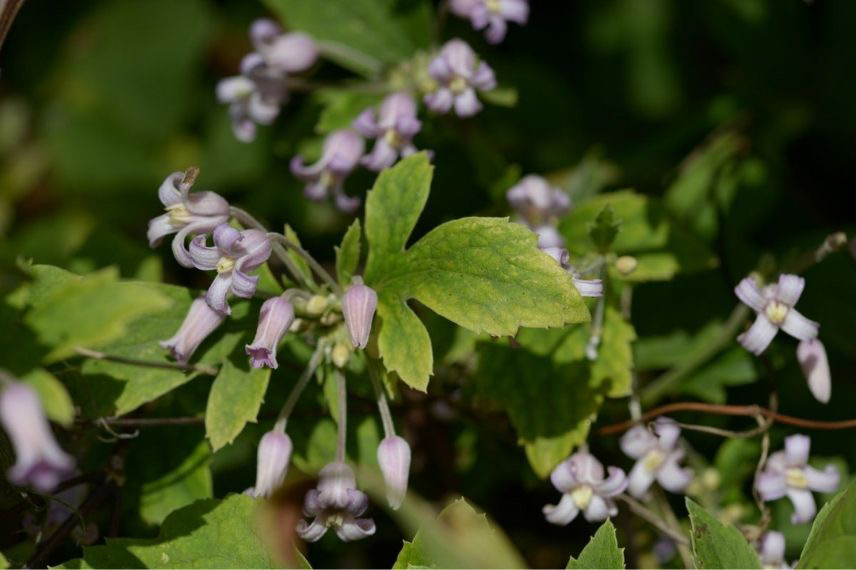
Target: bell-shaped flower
column 657, row 457
column 458, row 74
column 340, row 154
column 358, row 306
column 585, row 287
column 584, row 488
column 812, row 357
column 393, row 455
column 39, row 461
column 201, row 320
column 492, row 15
column 273, row 456
column 275, row 317
column 771, row 550
column 336, row 503
column 234, row 255
column 393, row 127
column 187, row 214
column 536, row 202
column 775, row 307
column 787, row 473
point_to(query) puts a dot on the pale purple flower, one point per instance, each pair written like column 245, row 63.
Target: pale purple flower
column 584, row 488
column 393, row 455
column 275, row 317
column 358, row 306
column 288, row 53
column 585, row 287
column 459, row 74
column 657, row 457
column 393, row 127
column 815, row 366
column 787, row 473
column 336, row 503
column 340, row 154
column 201, row 320
column 273, row 456
column 536, row 202
column 187, row 214
column 234, row 255
column 492, row 15
column 39, row 461
column 771, row 550
column 775, row 307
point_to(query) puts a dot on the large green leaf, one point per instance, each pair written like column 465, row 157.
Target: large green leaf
column 601, row 552
column 207, row 534
column 235, row 399
column 832, row 542
column 716, row 544
column 485, row 274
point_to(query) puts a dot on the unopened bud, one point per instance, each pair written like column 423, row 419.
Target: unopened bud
column 815, row 366
column 393, row 455
column 340, row 354
column 275, row 318
column 316, row 305
column 274, row 453
column 626, row 264
column 201, row 320
column 358, row 305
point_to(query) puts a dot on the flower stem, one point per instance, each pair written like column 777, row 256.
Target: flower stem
column 298, row 388
column 317, row 267
column 382, row 403
column 342, row 397
column 200, row 368
column 597, row 322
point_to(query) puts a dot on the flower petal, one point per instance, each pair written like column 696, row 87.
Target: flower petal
column 637, row 441
column 804, row 505
column 355, row 529
column 760, row 334
column 159, row 227
column 588, row 287
column 771, row 485
column 203, row 256
column 799, row 327
column 789, row 289
column 563, row 477
column 672, row 477
column 825, row 481
column 467, row 104
column 796, row 450
column 244, row 285
column 597, row 510
column 216, row 295
column 310, row 532
column 169, row 192
column 667, row 431
column 750, row 294
column 613, row 485
column 815, row 366
column 640, row 479
column 563, row 513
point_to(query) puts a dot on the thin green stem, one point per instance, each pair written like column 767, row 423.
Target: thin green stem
column 382, row 403
column 342, row 397
column 317, row 267
column 96, row 355
column 298, row 388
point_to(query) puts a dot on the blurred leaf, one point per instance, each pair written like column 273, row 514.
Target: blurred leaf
column 320, row 447
column 235, row 399
column 735, row 461
column 348, row 254
column 53, row 395
column 206, row 534
column 484, row 274
column 501, row 96
column 601, row 552
column 716, row 544
column 341, row 106
column 832, row 541
column 296, row 258
column 733, row 368
column 604, row 229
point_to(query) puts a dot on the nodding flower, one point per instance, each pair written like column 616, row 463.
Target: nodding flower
column 458, row 74
column 201, row 320
column 393, row 127
column 815, row 366
column 393, row 456
column 273, row 456
column 275, row 317
column 492, row 15
column 358, row 306
column 336, row 503
column 771, row 550
column 585, row 489
column 657, row 457
column 536, row 202
column 340, row 154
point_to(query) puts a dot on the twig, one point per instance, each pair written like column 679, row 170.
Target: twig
column 8, row 11
column 151, row 422
column 94, row 354
column 652, row 518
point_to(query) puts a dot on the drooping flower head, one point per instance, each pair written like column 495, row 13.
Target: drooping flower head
column 815, row 366
column 340, row 154
column 39, row 461
column 771, row 550
column 201, row 320
column 234, row 254
column 273, row 456
column 584, row 488
column 492, row 15
column 187, row 214
column 336, row 503
column 275, row 317
column 393, row 456
column 775, row 307
column 536, row 202
column 459, row 74
column 393, row 127
column 787, row 473
column 657, row 457
column 358, row 306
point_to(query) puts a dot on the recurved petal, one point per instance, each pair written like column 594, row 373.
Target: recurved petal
column 366, row 125
column 563, row 477
column 815, row 366
column 797, row 448
column 750, row 294
column 613, row 485
column 597, row 510
column 640, row 479
column 514, row 10
column 203, row 256
column 637, row 441
column 563, row 513
column 233, row 89
column 760, row 335
column 804, row 505
column 355, row 529
column 467, row 104
column 789, row 289
column 799, row 327
column 440, row 101
column 159, row 227
column 496, row 30
column 771, row 485
column 667, row 431
column 672, row 477
column 311, row 532
column 169, row 192
column 588, row 287
column 244, row 285
column 825, row 481
column 216, row 295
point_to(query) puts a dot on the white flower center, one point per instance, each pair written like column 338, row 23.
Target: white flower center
column 653, row 459
column 393, row 138
column 334, row 519
column 776, row 312
column 796, row 478
column 178, row 214
column 582, row 496
column 494, row 6
column 326, row 179
column 225, row 264
column 458, row 84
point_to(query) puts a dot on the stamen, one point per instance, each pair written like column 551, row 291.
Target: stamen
column 178, row 214
column 225, row 264
column 458, row 84
column 776, row 312
column 653, row 460
column 582, row 496
column 795, row 477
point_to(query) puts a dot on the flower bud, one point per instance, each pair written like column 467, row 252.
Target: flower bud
column 340, row 354
column 292, row 52
column 393, row 455
column 40, row 461
column 626, row 264
column 201, row 320
column 815, row 366
column 316, row 305
column 275, row 318
column 358, row 306
column 274, row 454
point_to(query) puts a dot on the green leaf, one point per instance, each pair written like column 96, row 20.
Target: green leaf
column 296, row 258
column 206, row 534
column 550, row 405
column 604, row 229
column 501, row 96
column 348, row 254
column 716, row 544
column 235, row 399
column 601, row 552
column 832, row 541
column 341, row 106
column 733, row 368
column 484, row 274
column 55, row 399
column 68, row 311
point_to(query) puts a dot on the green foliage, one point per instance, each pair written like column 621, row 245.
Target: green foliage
column 234, row 400
column 206, row 534
column 604, row 229
column 484, row 274
column 832, row 541
column 601, row 552
column 348, row 254
column 53, row 395
column 716, row 544
column 341, row 106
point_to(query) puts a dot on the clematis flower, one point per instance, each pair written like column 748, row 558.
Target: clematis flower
column 771, row 550
column 580, row 479
column 812, row 357
column 358, row 306
column 336, row 503
column 201, row 320
column 339, row 156
column 287, row 53
column 657, row 457
column 275, row 317
column 187, row 214
column 585, row 287
column 459, row 74
column 536, row 202
column 273, row 456
column 492, row 15
column 788, row 473
column 39, row 460
column 393, row 127
column 393, row 456
column 234, row 255
column 775, row 307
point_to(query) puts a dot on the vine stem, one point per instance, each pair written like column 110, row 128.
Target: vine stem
column 96, row 355
column 342, row 397
column 382, row 403
column 298, row 388
column 317, row 267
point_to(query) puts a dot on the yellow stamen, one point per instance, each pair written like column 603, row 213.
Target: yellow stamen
column 458, row 84
column 393, row 139
column 494, row 6
column 225, row 264
column 178, row 214
column 582, row 496
column 653, row 460
column 776, row 312
column 796, row 478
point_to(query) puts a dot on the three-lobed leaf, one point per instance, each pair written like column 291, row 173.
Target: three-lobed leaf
column 717, row 544
column 601, row 551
